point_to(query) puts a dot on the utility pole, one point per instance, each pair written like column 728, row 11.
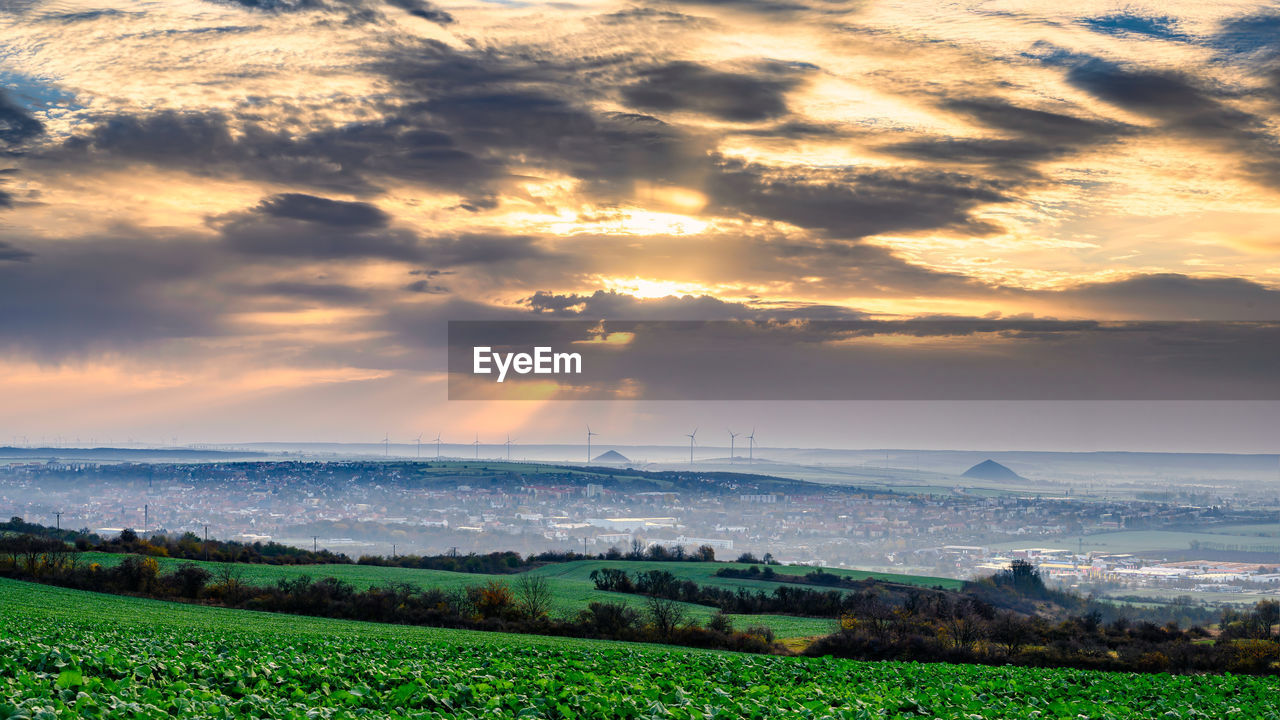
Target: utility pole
column 146, row 518
column 58, row 515
column 206, row 543
column 315, row 543
column 393, row 551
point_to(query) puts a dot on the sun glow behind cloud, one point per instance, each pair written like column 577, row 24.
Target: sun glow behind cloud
column 300, row 196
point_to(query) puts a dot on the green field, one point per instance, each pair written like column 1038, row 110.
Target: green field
column 705, row 573
column 70, row 654
column 572, row 588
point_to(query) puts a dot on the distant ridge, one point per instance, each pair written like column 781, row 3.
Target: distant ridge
column 613, row 456
column 991, row 470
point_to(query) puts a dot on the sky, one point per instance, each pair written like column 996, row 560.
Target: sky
column 252, row 219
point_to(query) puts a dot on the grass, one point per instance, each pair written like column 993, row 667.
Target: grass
column 572, row 588
column 705, row 573
column 70, row 654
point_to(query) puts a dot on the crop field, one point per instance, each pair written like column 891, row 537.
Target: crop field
column 705, row 573
column 70, row 654
column 572, row 591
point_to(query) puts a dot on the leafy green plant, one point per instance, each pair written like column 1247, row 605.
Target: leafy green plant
column 70, row 654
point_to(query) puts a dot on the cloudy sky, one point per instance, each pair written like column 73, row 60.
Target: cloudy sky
column 251, row 219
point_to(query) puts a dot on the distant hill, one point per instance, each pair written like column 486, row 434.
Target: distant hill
column 613, row 456
column 991, row 470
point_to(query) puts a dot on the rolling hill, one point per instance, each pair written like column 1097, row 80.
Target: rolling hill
column 69, row 654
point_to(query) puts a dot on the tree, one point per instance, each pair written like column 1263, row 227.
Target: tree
column 705, row 553
column 609, row 619
column 1022, row 577
column 1010, row 633
column 190, row 579
column 494, row 599
column 1268, row 612
column 665, row 614
column 656, row 582
column 533, row 596
column 721, row 623
column 611, row 580
column 229, row 582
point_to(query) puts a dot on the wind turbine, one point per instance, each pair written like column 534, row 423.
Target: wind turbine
column 437, row 446
column 732, row 436
column 419, row 441
column 589, row 434
column 386, row 445
column 693, row 436
column 751, row 446
column 477, row 445
column 508, row 447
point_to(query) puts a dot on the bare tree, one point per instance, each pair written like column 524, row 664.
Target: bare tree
column 533, row 596
column 1010, row 633
column 230, row 580
column 665, row 614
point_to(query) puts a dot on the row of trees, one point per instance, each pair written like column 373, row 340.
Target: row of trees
column 498, row 563
column 781, row 600
column 1000, row 620
column 190, row 546
column 523, row 605
column 962, row 629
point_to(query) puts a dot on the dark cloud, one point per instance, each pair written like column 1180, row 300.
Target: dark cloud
column 609, row 151
column 425, row 10
column 89, row 15
column 425, row 286
column 428, row 283
column 325, row 211
column 482, row 249
column 842, row 265
column 77, row 298
column 612, row 305
column 1174, row 297
column 277, row 6
column 1032, row 136
column 773, row 7
column 304, row 226
column 308, row 227
column 650, row 16
column 858, row 203
column 520, row 112
column 1189, row 107
column 353, row 11
column 10, row 252
column 353, row 158
column 17, row 126
column 791, row 130
column 736, row 97
column 1033, row 124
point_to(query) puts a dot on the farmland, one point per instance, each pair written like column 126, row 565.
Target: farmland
column 65, row 653
column 570, row 583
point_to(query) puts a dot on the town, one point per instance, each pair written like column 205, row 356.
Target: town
column 360, row 507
